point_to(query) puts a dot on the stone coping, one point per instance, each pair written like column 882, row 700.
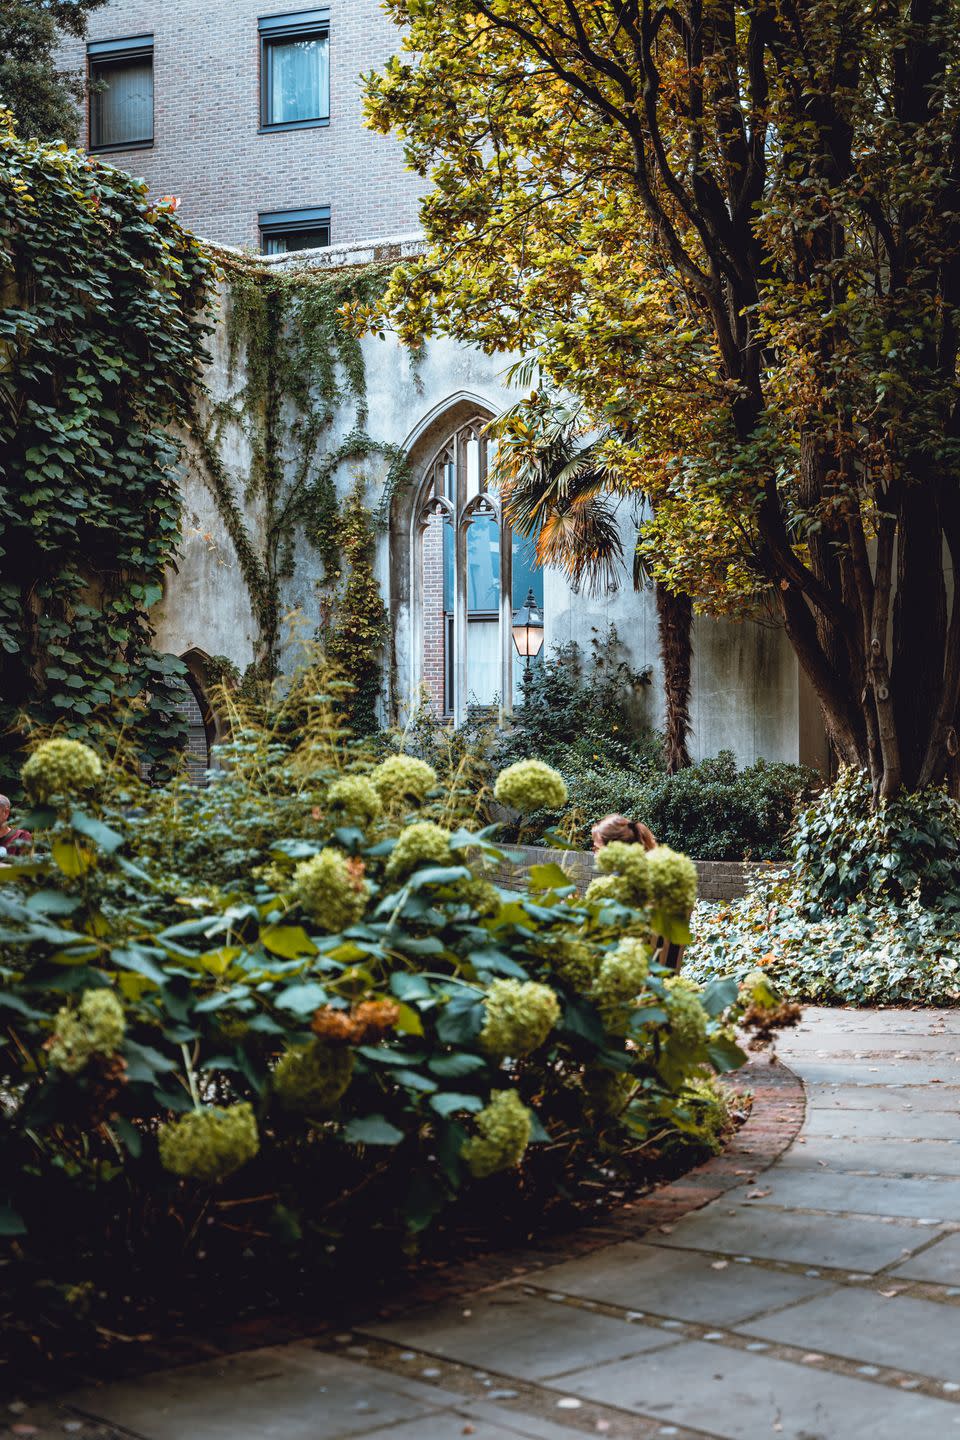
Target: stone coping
column 717, row 879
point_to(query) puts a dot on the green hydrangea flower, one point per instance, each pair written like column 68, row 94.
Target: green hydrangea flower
column 420, row 844
column 688, row 1019
column 96, row 1027
column 607, row 887
column 673, row 882
column 310, row 1079
column 480, row 895
column 629, row 862
column 520, row 1016
column 331, row 889
column 209, row 1144
column 357, row 798
column 531, row 785
column 403, row 778
column 574, row 962
column 504, row 1126
column 61, row 768
column 620, row 979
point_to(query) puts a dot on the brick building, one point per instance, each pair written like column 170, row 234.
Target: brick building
column 251, row 112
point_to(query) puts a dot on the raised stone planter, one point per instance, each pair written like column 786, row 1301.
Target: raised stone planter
column 717, row 879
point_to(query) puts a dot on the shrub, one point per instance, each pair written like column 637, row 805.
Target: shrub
column 711, row 810
column 270, row 1010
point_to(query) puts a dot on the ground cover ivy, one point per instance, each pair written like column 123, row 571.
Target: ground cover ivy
column 102, row 329
column 867, row 912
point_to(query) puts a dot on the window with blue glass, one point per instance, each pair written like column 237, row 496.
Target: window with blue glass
column 294, row 70
column 478, row 547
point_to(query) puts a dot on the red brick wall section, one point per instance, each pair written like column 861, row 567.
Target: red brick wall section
column 207, row 147
column 433, row 636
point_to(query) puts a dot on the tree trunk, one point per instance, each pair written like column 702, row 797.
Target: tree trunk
column 675, row 625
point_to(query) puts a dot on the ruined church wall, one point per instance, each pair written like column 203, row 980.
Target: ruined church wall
column 747, row 696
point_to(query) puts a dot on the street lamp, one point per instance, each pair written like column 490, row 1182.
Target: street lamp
column 528, row 628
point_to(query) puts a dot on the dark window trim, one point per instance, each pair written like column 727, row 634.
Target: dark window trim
column 285, row 222
column 130, row 48
column 298, row 23
column 288, row 27
column 104, row 53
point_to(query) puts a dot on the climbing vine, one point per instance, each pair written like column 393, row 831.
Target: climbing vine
column 295, row 362
column 103, row 301
column 357, row 627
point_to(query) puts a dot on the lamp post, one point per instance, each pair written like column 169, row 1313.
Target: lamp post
column 527, row 629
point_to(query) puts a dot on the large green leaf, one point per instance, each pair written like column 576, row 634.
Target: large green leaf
column 302, row 999
column 725, row 1054
column 372, row 1130
column 102, row 836
column 452, row 1103
column 288, row 941
column 718, row 994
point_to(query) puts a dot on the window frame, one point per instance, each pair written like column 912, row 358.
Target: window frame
column 286, row 222
column 272, row 28
column 114, row 52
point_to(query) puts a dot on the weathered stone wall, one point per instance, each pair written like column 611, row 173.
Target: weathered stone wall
column 716, row 879
column 746, row 694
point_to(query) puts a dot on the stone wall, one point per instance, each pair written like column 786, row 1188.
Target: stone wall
column 716, row 879
column 746, row 693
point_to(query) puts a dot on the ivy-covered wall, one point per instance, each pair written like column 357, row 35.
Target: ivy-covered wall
column 103, row 318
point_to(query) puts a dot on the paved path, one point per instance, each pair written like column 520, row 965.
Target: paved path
column 818, row 1302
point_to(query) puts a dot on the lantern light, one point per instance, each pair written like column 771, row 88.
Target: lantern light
column 528, row 628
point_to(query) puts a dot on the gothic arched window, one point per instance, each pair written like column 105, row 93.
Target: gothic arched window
column 473, row 572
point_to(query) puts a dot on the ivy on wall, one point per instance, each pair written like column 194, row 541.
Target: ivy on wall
column 357, row 629
column 103, row 303
column 295, row 362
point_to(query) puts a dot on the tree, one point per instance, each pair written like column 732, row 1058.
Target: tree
column 564, row 487
column 42, row 97
column 734, row 230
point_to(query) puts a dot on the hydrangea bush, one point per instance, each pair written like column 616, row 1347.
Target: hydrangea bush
column 338, row 1029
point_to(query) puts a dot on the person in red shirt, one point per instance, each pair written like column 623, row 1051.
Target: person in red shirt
column 12, row 840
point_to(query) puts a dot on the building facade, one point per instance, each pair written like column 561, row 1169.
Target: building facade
column 252, row 115
column 250, row 112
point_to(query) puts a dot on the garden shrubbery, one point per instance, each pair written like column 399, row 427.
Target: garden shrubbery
column 289, row 1013
column 868, row 911
column 583, row 715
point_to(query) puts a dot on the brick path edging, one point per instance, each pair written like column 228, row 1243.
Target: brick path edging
column 775, row 1118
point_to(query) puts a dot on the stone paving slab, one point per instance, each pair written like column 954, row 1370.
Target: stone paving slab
column 824, row 1189
column 931, row 1124
column 290, row 1392
column 875, row 1071
column 877, row 1097
column 831, row 1240
column 686, row 1285
column 538, row 1336
column 940, row 1264
column 912, row 1156
column 745, row 1397
column 915, row 1335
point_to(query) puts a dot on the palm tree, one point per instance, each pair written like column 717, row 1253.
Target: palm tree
column 558, row 482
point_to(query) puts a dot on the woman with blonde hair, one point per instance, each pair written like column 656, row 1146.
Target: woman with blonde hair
column 633, row 832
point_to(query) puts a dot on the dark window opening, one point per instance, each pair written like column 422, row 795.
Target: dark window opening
column 294, row 70
column 121, row 93
column 284, row 231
